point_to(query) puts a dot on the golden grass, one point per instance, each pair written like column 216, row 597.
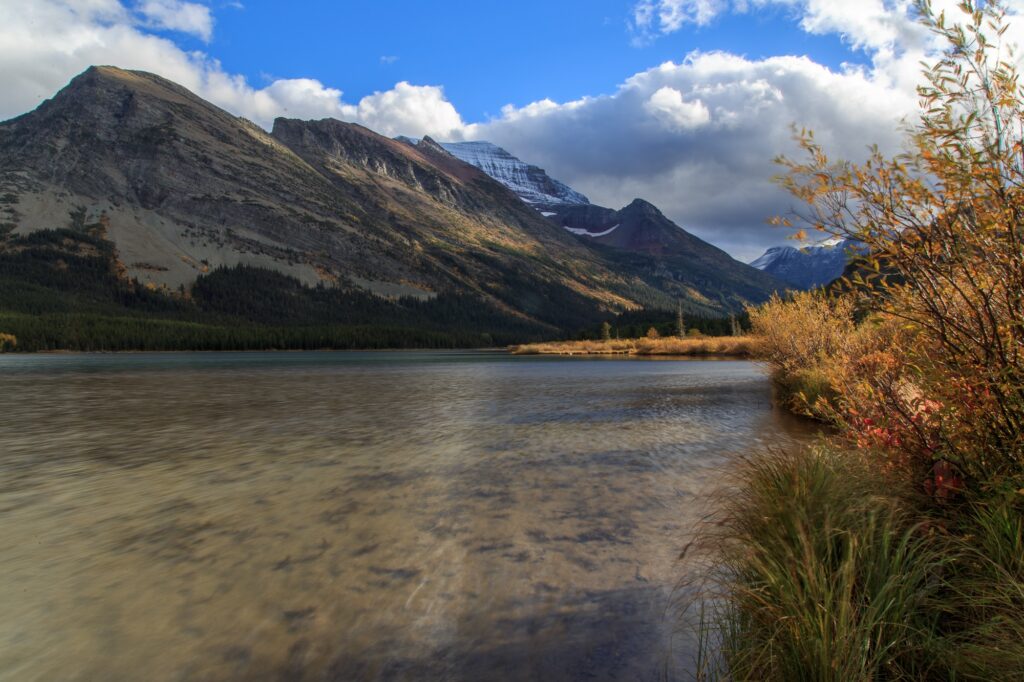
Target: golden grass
column 735, row 346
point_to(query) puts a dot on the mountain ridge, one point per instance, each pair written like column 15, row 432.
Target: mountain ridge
column 183, row 189
column 808, row 267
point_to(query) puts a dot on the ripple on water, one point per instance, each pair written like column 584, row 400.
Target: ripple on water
column 357, row 516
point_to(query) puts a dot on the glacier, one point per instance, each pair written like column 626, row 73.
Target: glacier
column 532, row 184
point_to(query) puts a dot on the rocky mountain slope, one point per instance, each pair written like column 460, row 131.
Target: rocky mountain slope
column 532, row 184
column 181, row 190
column 807, row 267
column 640, row 237
column 185, row 187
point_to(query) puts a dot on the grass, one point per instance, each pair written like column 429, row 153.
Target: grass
column 826, row 569
column 735, row 346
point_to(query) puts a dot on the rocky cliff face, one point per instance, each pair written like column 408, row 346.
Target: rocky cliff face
column 532, row 184
column 641, row 235
column 808, row 267
column 183, row 187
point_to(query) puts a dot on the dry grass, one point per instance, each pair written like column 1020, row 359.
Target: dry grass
column 734, row 346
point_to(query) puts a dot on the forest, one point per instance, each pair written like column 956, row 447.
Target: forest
column 63, row 289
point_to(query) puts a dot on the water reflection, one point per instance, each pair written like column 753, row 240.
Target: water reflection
column 356, row 516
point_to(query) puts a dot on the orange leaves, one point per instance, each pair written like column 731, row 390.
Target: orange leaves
column 944, row 223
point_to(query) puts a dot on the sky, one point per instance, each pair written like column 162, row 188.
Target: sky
column 684, row 103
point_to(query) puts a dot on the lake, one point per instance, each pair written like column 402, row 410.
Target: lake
column 359, row 516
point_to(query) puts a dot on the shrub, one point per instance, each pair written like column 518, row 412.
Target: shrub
column 807, row 330
column 832, row 564
column 942, row 225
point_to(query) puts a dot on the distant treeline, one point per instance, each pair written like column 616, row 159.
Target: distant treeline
column 61, row 290
column 636, row 323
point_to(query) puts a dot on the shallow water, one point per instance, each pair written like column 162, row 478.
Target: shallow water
column 358, row 516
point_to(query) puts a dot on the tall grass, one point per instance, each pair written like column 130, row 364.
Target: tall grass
column 826, row 578
column 825, row 570
column 737, row 346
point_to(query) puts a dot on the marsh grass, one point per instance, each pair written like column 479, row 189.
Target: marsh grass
column 985, row 635
column 821, row 568
column 734, row 346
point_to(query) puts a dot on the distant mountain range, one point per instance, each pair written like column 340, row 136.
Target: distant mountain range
column 642, row 228
column 129, row 198
column 808, row 267
column 639, row 236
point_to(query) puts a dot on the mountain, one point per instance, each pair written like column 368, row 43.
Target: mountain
column 127, row 197
column 810, row 266
column 639, row 237
column 530, row 183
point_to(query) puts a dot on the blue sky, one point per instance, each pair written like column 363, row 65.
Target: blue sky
column 484, row 54
column 684, row 103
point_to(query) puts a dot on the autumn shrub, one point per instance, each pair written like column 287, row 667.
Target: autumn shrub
column 896, row 551
column 809, row 329
column 806, row 340
column 738, row 346
column 8, row 342
column 943, row 225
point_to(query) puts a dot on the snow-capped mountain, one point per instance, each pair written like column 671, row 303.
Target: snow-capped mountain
column 532, row 184
column 810, row 266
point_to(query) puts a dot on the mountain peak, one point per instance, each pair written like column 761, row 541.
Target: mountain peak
column 532, row 184
column 809, row 266
column 643, row 207
column 428, row 143
column 114, row 76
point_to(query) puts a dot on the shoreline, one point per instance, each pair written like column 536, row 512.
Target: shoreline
column 710, row 346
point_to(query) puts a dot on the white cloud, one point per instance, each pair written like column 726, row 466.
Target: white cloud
column 44, row 43
column 176, row 15
column 666, row 16
column 667, row 104
column 696, row 138
column 414, row 110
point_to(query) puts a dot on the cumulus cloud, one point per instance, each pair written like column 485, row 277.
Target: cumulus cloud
column 667, row 105
column 697, row 138
column 44, row 43
column 175, row 15
column 411, row 110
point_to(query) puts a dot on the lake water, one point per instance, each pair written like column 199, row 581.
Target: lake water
column 358, row 516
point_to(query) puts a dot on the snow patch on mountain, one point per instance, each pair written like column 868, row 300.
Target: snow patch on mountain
column 587, row 233
column 810, row 266
column 532, row 184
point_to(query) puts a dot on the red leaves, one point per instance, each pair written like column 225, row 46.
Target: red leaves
column 943, row 482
